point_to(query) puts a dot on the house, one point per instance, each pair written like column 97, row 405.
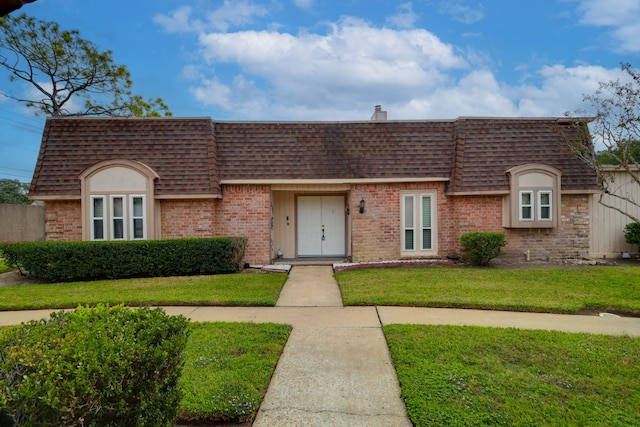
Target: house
column 366, row 190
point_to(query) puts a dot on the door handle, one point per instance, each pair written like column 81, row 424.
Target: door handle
column 323, row 232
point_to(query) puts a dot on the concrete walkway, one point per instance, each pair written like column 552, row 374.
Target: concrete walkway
column 335, row 368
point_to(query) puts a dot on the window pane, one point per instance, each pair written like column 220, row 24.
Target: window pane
column 426, row 211
column 544, row 199
column 408, row 211
column 138, row 210
column 526, row 212
column 426, row 238
column 118, row 228
column 408, row 240
column 98, row 208
column 545, row 212
column 118, row 209
column 138, row 228
column 526, row 198
column 98, row 233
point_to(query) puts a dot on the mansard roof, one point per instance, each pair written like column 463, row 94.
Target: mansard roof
column 195, row 156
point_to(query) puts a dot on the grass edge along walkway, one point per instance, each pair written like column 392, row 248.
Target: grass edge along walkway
column 467, row 375
column 228, row 367
column 570, row 290
column 240, row 289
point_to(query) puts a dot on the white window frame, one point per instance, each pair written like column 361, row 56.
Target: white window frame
column 424, row 227
column 113, row 217
column 536, row 205
column 128, row 218
column 531, row 206
column 132, row 217
column 546, row 205
column 103, row 218
column 408, row 227
column 413, row 220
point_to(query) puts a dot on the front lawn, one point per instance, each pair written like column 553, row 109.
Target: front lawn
column 227, row 370
column 243, row 289
column 559, row 290
column 464, row 376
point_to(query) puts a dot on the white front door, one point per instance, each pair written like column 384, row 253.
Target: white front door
column 321, row 226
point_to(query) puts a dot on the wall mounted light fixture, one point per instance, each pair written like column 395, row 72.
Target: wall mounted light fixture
column 362, row 206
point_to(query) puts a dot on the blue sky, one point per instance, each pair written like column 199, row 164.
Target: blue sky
column 335, row 60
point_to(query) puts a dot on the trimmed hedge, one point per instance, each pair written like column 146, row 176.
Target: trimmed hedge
column 103, row 366
column 482, row 247
column 70, row 261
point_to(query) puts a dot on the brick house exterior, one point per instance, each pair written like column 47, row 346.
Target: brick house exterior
column 369, row 190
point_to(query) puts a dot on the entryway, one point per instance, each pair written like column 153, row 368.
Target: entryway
column 321, row 226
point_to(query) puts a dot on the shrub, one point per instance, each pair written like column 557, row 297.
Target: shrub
column 632, row 233
column 482, row 247
column 107, row 366
column 68, row 261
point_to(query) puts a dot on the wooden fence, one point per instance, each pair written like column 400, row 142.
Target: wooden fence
column 607, row 225
column 21, row 223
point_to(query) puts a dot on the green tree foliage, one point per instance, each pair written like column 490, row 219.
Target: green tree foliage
column 616, row 155
column 13, row 191
column 632, row 233
column 70, row 74
column 616, row 126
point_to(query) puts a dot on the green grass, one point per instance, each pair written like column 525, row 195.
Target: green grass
column 246, row 289
column 463, row 376
column 560, row 290
column 227, row 370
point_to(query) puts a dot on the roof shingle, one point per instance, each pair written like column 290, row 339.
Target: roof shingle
column 193, row 155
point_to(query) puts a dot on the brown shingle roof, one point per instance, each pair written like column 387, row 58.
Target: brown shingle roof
column 192, row 155
column 487, row 147
column 180, row 150
column 344, row 150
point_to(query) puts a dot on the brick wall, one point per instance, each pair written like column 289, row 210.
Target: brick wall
column 63, row 220
column 187, row 218
column 568, row 240
column 245, row 210
column 376, row 234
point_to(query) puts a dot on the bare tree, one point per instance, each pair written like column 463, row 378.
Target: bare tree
column 616, row 126
column 67, row 70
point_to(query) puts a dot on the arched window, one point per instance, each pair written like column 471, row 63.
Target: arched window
column 117, row 201
column 534, row 197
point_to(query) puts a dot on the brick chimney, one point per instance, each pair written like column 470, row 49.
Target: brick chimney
column 378, row 114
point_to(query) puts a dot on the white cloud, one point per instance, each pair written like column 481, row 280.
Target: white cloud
column 230, row 14
column 303, row 4
column 622, row 16
column 235, row 13
column 461, row 12
column 341, row 73
column 405, row 18
column 352, row 64
column 178, row 22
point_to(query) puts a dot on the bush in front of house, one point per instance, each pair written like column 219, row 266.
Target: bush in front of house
column 482, row 247
column 632, row 233
column 69, row 261
column 103, row 366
